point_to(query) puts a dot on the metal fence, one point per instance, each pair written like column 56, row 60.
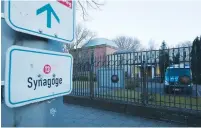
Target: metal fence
column 157, row 78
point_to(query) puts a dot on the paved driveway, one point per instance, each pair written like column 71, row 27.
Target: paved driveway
column 68, row 115
column 78, row 116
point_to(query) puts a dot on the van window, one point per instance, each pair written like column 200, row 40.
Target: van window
column 178, row 71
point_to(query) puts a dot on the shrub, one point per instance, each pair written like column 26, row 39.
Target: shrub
column 94, row 79
column 132, row 83
column 150, row 97
column 80, row 78
column 83, row 78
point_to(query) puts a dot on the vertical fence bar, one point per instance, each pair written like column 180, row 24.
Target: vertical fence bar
column 134, row 78
column 173, row 88
column 91, row 76
column 127, row 76
column 105, row 86
column 147, row 76
column 81, row 73
column 162, row 75
column 192, row 79
column 96, row 64
column 130, row 63
column 78, row 78
column 85, row 75
column 97, row 77
column 107, row 67
column 180, row 62
column 118, row 67
column 119, row 59
column 169, row 80
column 156, row 64
column 80, row 81
column 184, row 59
column 150, row 59
column 140, row 74
column 144, row 84
column 113, row 72
column 169, row 63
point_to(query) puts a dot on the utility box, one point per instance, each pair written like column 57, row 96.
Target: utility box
column 110, row 78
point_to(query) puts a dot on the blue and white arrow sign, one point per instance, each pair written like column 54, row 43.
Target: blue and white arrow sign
column 48, row 19
column 50, row 12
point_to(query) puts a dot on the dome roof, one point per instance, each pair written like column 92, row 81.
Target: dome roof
column 100, row 41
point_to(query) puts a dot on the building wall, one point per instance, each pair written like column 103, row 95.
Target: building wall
column 150, row 57
column 110, row 50
column 99, row 51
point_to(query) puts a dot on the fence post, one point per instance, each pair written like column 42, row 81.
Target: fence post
column 91, row 76
column 144, row 90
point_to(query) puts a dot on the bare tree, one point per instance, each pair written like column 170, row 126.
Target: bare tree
column 127, row 43
column 85, row 5
column 185, row 44
column 151, row 45
column 82, row 36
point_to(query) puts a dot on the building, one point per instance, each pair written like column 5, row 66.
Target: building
column 101, row 51
column 98, row 48
column 134, row 62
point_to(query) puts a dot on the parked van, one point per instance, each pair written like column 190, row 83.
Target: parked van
column 178, row 78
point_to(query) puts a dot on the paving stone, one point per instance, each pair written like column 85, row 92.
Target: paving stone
column 77, row 116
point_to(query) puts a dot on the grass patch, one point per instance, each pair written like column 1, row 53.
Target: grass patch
column 178, row 101
column 155, row 99
column 132, row 83
column 130, row 95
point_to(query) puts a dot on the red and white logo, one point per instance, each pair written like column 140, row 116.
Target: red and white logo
column 67, row 3
column 47, row 69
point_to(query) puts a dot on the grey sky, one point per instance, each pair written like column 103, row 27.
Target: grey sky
column 172, row 21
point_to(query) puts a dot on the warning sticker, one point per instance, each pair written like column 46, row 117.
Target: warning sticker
column 67, row 3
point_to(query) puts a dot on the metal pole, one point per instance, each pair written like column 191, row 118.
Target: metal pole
column 91, row 76
column 145, row 95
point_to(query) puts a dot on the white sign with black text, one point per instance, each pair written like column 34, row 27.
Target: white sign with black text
column 34, row 75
